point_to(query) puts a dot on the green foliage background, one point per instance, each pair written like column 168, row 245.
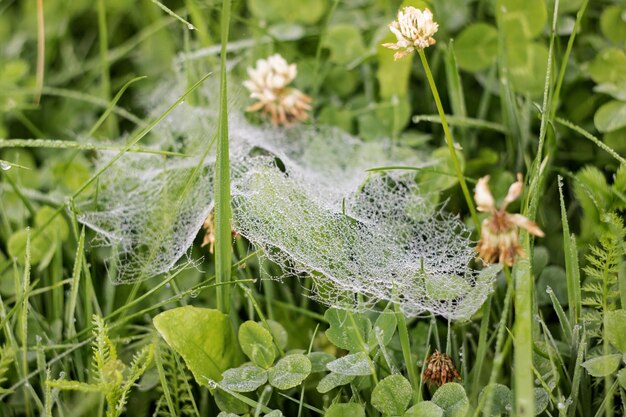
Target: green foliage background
column 490, row 63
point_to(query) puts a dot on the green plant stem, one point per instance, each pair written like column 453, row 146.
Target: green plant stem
column 222, row 182
column 449, row 140
column 523, row 339
column 406, row 353
column 104, row 62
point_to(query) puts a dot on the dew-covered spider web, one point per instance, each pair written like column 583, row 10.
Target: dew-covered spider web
column 304, row 198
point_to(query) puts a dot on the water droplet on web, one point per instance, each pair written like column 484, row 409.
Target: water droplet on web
column 168, row 285
column 190, row 26
column 5, row 166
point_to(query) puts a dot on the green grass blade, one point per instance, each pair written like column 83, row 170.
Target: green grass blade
column 572, row 271
column 592, row 138
column 111, row 105
column 222, row 181
column 71, row 307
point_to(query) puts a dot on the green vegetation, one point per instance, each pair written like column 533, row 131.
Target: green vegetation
column 175, row 243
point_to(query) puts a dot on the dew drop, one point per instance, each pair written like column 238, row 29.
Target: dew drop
column 5, row 166
column 560, row 406
column 190, row 26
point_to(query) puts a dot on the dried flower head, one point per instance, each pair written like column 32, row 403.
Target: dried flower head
column 209, row 232
column 499, row 238
column 414, row 30
column 440, row 369
column 269, row 84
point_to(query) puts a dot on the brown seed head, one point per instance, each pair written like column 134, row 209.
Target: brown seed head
column 440, row 369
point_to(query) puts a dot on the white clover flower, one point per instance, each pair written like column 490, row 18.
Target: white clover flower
column 269, row 84
column 414, row 30
column 499, row 238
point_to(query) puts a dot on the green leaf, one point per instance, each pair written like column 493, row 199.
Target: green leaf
column 451, row 397
column 392, row 395
column 290, row 371
column 610, row 116
column 384, row 327
column 257, row 343
column 333, row 380
column 603, row 365
column 336, row 116
column 501, row 399
column 280, row 335
column 345, row 43
column 615, row 329
column 616, row 140
column 542, row 400
column 57, row 228
column 356, row 364
column 528, row 63
column 203, row 337
column 341, row 82
column 229, row 403
column 246, row 378
column 64, row 384
column 621, row 377
column 319, row 360
column 609, row 66
column 476, row 47
column 521, row 19
column 424, row 409
column 612, row 23
column 39, row 246
column 554, row 277
column 288, row 10
column 345, row 410
column 343, row 332
column 440, row 177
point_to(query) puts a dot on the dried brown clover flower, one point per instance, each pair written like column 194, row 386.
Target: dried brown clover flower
column 499, row 240
column 440, row 369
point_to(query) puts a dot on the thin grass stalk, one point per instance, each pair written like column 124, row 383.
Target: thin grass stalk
column 449, row 141
column 105, row 77
column 222, row 181
column 41, row 51
column 572, row 272
column 24, row 323
column 481, row 350
column 524, row 277
column 406, row 353
column 523, row 340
